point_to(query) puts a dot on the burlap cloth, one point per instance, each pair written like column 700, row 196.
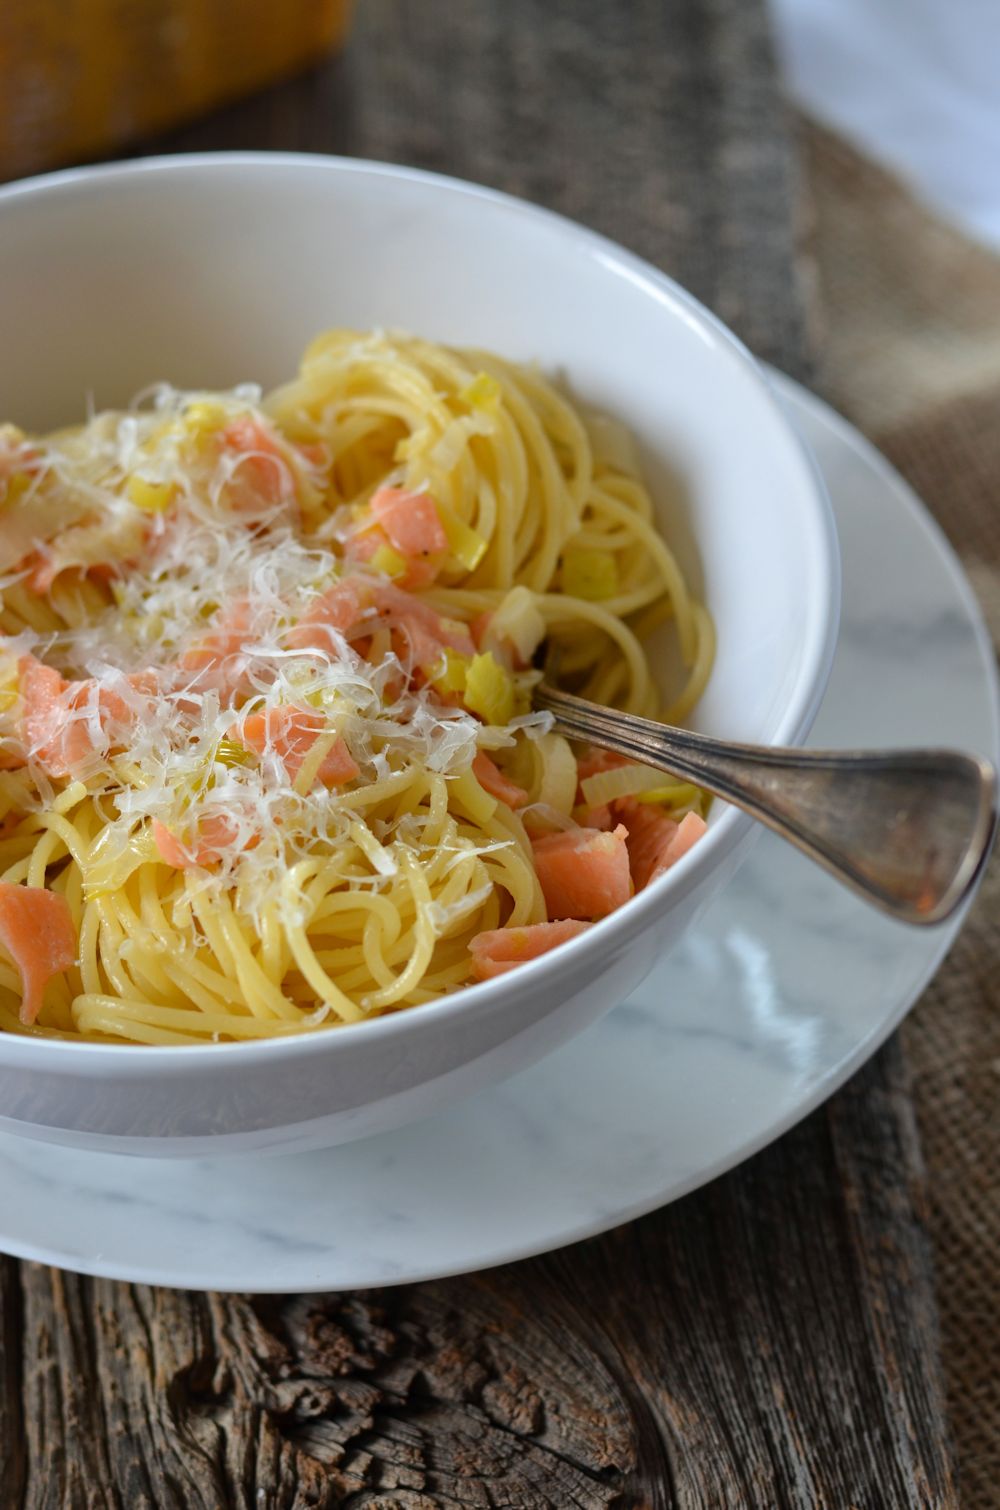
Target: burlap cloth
column 911, row 353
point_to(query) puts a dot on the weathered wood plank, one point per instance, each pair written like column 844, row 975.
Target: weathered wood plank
column 764, row 1342
column 12, row 1351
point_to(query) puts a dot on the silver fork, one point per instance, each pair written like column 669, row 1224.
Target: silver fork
column 908, row 830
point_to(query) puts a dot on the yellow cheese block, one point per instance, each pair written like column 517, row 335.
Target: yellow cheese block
column 78, row 78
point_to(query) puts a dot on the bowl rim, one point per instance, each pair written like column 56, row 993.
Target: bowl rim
column 819, row 632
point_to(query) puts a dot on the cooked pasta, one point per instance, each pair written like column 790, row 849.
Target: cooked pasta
column 268, row 761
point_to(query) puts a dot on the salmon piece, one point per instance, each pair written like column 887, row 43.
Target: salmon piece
column 480, row 625
column 419, row 574
column 36, row 929
column 583, row 872
column 420, row 634
column 315, row 453
column 340, row 608
column 97, row 549
column 502, row 949
column 593, row 761
column 418, row 620
column 411, row 522
column 57, row 741
column 364, row 544
column 211, row 838
column 651, row 832
column 419, row 631
column 223, row 642
column 118, row 715
column 594, row 817
column 263, row 475
column 493, row 780
column 60, row 742
column 216, row 660
column 245, row 434
column 655, row 842
column 108, row 571
column 43, row 567
column 691, row 828
column 290, row 732
column 416, row 646
column 170, row 848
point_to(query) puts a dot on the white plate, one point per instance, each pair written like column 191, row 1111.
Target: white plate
column 783, row 990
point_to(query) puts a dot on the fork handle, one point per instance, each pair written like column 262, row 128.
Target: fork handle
column 908, row 830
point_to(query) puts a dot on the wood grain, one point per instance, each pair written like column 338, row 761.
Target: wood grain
column 770, row 1341
column 763, row 1342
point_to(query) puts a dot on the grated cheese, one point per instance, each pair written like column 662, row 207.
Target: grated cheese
column 158, row 677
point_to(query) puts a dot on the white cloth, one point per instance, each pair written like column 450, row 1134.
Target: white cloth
column 915, row 84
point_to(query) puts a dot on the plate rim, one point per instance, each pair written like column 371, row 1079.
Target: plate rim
column 798, row 399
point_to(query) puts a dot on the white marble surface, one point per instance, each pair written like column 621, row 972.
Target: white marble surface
column 786, row 986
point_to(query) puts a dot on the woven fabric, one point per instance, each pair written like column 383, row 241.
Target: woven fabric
column 911, row 353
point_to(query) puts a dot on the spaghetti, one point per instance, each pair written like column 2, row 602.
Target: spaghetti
column 267, row 756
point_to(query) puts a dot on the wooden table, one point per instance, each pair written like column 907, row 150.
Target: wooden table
column 768, row 1341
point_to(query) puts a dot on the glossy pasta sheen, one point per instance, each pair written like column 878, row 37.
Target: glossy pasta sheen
column 220, row 885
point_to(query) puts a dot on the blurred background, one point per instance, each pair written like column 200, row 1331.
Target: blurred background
column 911, row 82
column 87, row 78
column 896, row 105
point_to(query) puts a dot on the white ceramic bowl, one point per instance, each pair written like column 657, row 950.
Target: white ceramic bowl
column 209, row 270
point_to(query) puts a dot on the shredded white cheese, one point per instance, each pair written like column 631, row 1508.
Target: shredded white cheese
column 205, row 591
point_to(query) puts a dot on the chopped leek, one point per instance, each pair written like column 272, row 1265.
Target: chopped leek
column 230, row 753
column 677, row 794
column 489, row 690
column 466, row 545
column 484, row 392
column 518, row 621
column 388, row 560
column 620, row 781
column 17, row 486
column 589, row 574
column 151, row 497
column 202, row 417
column 559, row 774
column 451, row 672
